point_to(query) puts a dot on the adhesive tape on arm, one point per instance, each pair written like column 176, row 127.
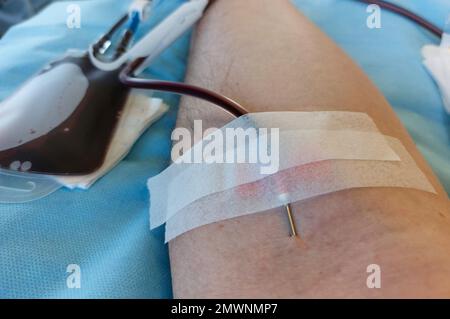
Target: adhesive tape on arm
column 299, row 183
column 324, row 136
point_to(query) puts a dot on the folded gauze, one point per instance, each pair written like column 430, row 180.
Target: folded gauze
column 437, row 61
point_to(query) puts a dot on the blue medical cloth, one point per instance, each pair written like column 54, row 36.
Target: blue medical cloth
column 106, row 229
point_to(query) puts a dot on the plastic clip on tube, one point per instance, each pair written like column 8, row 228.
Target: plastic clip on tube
column 408, row 15
column 128, row 34
column 104, row 43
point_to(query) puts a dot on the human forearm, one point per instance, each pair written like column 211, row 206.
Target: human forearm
column 269, row 57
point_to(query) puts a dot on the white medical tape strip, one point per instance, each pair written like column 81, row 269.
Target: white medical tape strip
column 300, row 183
column 324, row 120
column 183, row 183
column 295, row 148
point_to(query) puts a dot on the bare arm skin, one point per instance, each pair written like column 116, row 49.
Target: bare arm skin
column 269, row 57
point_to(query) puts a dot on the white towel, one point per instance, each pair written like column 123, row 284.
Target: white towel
column 437, row 61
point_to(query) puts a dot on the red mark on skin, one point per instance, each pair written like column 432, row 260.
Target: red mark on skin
column 306, row 173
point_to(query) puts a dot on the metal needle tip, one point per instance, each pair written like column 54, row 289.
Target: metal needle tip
column 291, row 220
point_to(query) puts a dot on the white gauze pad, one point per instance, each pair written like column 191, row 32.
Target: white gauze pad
column 299, row 183
column 324, row 136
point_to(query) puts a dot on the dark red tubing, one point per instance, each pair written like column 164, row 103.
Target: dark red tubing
column 127, row 78
column 127, row 75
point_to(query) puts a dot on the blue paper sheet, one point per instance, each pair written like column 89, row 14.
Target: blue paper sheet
column 106, row 230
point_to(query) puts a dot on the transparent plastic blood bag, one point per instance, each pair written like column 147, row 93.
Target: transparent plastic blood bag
column 62, row 120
